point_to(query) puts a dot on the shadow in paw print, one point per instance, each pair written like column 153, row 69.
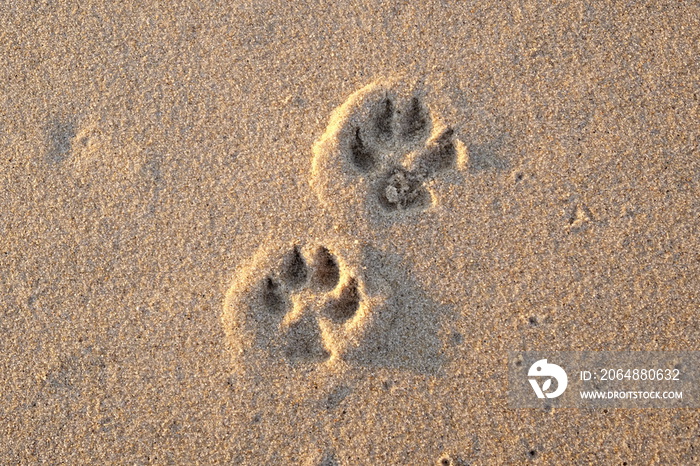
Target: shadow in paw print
column 327, row 269
column 384, row 120
column 294, row 270
column 303, row 341
column 346, row 304
column 439, row 156
column 272, row 296
column 362, row 157
column 414, row 121
column 59, row 139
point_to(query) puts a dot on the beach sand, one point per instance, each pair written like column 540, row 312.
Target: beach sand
column 310, row 233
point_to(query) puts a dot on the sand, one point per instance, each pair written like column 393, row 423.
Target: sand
column 309, row 233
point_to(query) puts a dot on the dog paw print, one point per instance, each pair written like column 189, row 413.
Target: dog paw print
column 386, row 148
column 308, row 306
column 303, row 307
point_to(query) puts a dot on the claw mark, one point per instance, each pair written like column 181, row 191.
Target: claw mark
column 272, row 296
column 327, row 271
column 384, row 119
column 362, row 157
column 415, row 121
column 440, row 156
column 295, row 272
column 347, row 303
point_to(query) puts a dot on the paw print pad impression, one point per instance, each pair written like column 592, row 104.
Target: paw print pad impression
column 381, row 152
column 303, row 306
